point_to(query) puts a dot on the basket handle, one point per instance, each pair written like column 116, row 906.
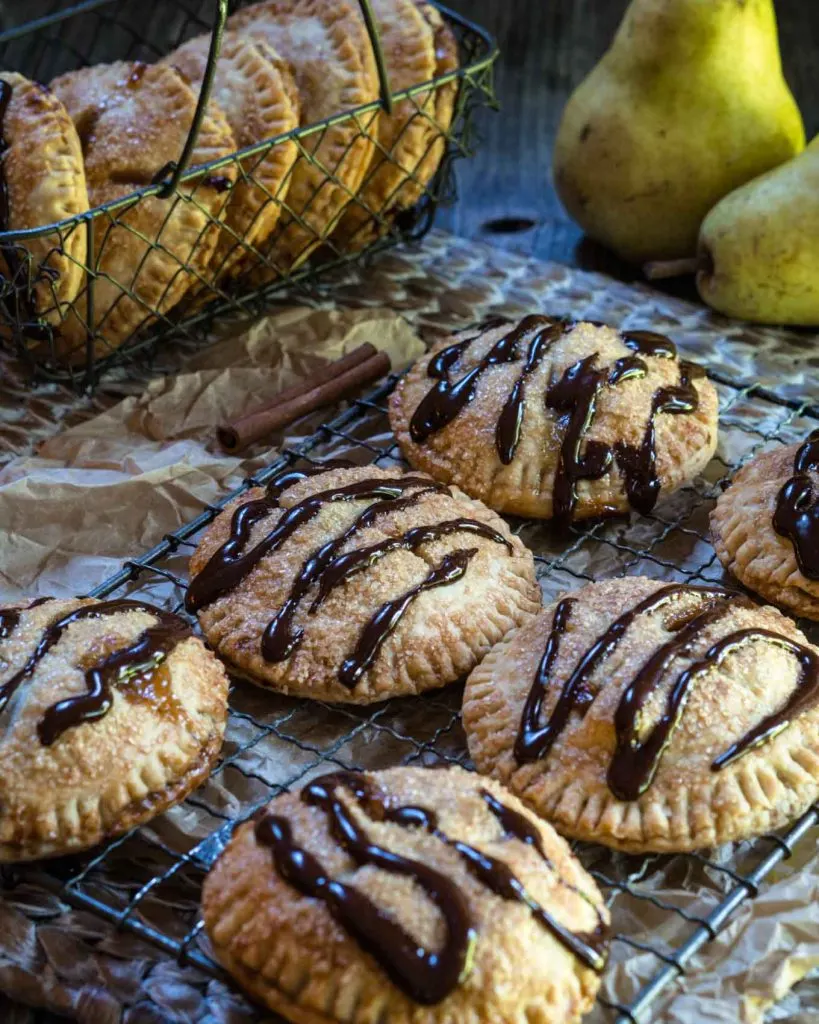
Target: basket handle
column 177, row 168
column 378, row 53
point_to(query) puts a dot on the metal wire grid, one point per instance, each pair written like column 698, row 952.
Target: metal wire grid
column 75, row 341
column 148, row 882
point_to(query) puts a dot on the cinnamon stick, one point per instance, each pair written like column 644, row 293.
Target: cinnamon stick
column 329, row 384
column 659, row 270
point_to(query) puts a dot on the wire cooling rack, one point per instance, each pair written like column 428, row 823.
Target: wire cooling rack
column 148, row 882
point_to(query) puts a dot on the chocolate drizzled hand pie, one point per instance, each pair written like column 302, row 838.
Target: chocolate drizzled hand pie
column 411, row 896
column 110, row 712
column 652, row 716
column 356, row 584
column 556, row 419
column 766, row 526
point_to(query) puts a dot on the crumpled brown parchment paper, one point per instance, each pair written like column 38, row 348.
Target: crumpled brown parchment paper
column 113, row 485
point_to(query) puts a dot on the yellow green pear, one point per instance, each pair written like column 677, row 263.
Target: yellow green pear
column 688, row 104
column 759, row 247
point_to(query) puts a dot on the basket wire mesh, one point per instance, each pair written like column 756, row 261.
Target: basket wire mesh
column 148, row 882
column 77, row 339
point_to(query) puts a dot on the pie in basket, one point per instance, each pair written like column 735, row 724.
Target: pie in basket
column 257, row 94
column 766, row 526
column 557, row 419
column 409, row 895
column 651, row 716
column 327, row 45
column 357, row 584
column 110, row 712
column 133, row 119
column 418, row 46
column 43, row 182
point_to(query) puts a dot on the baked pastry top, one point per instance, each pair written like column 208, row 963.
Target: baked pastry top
column 409, row 895
column 765, row 527
column 326, row 44
column 356, row 584
column 110, row 712
column 255, row 90
column 418, row 46
column 43, row 182
column 133, row 120
column 557, row 419
column 652, row 716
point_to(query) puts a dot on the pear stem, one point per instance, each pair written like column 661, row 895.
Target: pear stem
column 658, row 270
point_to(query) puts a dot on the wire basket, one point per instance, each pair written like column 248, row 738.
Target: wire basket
column 148, row 882
column 76, row 341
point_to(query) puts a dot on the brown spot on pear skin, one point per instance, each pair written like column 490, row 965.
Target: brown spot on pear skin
column 585, row 132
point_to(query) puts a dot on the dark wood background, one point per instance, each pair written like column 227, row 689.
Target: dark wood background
column 547, row 46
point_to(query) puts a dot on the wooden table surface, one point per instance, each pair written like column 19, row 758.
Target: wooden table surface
column 547, row 46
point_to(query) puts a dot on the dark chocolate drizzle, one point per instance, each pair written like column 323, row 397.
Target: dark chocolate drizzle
column 636, row 760
column 797, row 509
column 10, row 617
column 440, row 406
column 329, row 569
column 510, row 421
column 452, row 568
column 639, row 465
column 574, row 395
column 425, row 976
column 230, row 564
column 142, row 655
column 649, row 343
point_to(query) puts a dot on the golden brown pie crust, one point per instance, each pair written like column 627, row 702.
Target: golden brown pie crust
column 418, row 46
column 443, row 633
column 288, row 951
column 688, row 805
column 329, row 50
column 464, row 451
column 105, row 776
column 746, row 542
column 132, row 120
column 255, row 90
column 45, row 182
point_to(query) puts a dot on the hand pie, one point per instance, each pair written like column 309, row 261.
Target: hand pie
column 132, row 120
column 357, row 584
column 110, row 712
column 327, row 45
column 255, row 90
column 556, row 419
column 766, row 526
column 44, row 182
column 418, row 46
column 409, row 895
column 650, row 716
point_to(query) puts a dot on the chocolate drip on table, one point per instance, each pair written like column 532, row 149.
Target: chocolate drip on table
column 10, row 617
column 440, row 406
column 425, row 976
column 797, row 509
column 636, row 760
column 120, row 668
column 230, row 564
